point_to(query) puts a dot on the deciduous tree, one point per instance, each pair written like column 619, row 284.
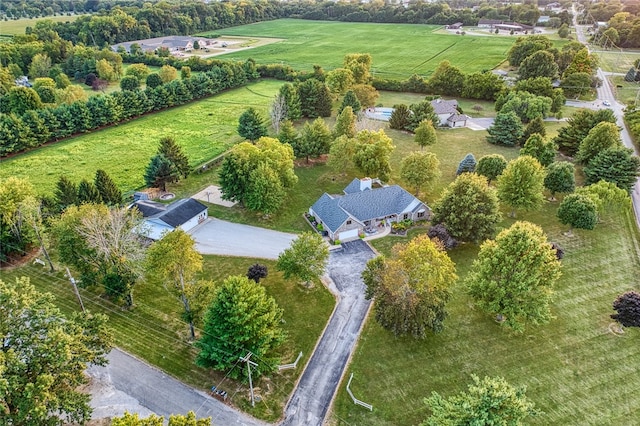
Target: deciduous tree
column 174, row 260
column 521, row 184
column 256, row 272
column 420, row 169
column 306, row 258
column 411, row 288
column 468, row 208
column 366, row 94
column 360, row 66
column 290, row 94
column 490, row 401
column 372, row 153
column 570, row 136
column 578, row 211
column 167, row 73
column 560, row 178
column 425, row 134
column 446, row 80
column 341, row 154
column 189, row 419
column 241, row 318
column 139, row 71
column 539, row 64
column 607, row 196
column 44, row 355
column 513, row 276
column 627, row 306
column 491, row 166
column 539, row 148
column 339, row 80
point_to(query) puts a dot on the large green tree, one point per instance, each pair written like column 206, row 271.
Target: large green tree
column 292, row 101
column 607, row 196
column 159, row 172
column 372, row 153
column 411, row 288
column 526, row 105
column 491, row 166
column 468, row 208
column 350, row 100
column 174, row 260
column 539, row 64
column 419, row 112
column 175, row 154
column 446, row 80
column 560, row 178
column 604, row 135
column 258, row 175
column 345, row 124
column 570, row 136
column 616, row 165
column 521, row 184
column 189, row 419
column 490, row 401
column 88, row 193
column 540, row 148
column 400, row 117
column 109, row 192
column 315, row 140
column 43, row 357
column 241, row 318
column 251, row 125
column 526, row 46
column 506, row 129
column 578, row 211
column 306, row 258
column 513, row 276
column 425, row 134
column 360, row 66
column 14, row 237
column 420, row 169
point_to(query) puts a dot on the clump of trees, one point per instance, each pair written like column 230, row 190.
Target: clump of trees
column 167, row 166
column 411, row 288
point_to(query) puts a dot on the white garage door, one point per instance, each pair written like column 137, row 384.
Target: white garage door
column 347, row 235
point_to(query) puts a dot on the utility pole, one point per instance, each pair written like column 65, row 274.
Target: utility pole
column 249, row 364
column 75, row 288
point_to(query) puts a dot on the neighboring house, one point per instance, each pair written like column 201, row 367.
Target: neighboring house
column 455, row 26
column 160, row 218
column 503, row 25
column 172, row 43
column 543, row 19
column 363, row 209
column 448, row 113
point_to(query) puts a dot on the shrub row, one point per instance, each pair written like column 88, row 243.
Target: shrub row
column 37, row 127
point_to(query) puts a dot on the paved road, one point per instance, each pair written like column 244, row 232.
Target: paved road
column 216, row 236
column 165, row 395
column 312, row 397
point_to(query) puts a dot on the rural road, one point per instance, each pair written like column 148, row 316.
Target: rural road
column 162, row 394
column 220, row 237
column 312, row 397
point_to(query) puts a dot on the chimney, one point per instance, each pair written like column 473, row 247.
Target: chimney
column 365, row 183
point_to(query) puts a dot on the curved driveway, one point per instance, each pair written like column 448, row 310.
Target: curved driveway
column 216, row 236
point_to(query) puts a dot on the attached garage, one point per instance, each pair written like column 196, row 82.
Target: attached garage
column 348, row 235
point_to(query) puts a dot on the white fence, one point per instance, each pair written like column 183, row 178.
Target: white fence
column 292, row 365
column 356, row 400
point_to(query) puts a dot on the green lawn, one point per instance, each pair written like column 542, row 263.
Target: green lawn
column 398, row 50
column 19, row 25
column 153, row 331
column 204, row 128
column 575, row 369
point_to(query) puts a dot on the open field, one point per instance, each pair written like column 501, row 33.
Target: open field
column 575, row 369
column 398, row 50
column 617, row 60
column 18, row 26
column 204, row 128
column 154, row 332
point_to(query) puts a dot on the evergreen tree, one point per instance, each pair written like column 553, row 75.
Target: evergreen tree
column 88, row 193
column 535, row 126
column 153, row 80
column 506, row 130
column 602, row 136
column 351, row 100
column 570, row 136
column 175, row 154
column 314, row 140
column 292, row 100
column 251, row 125
column 616, row 165
column 631, row 75
column 422, row 111
column 66, row 193
column 288, row 133
column 159, row 172
column 325, row 101
column 109, row 192
column 467, row 165
column 399, row 119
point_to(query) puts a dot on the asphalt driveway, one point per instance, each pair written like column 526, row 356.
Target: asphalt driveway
column 312, row 397
column 216, row 236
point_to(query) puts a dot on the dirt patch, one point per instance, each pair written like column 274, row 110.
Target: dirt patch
column 212, row 194
column 19, row 260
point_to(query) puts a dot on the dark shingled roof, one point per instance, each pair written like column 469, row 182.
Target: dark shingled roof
column 458, row 117
column 354, row 186
column 182, row 211
column 441, row 106
column 149, row 208
column 329, row 211
column 377, row 203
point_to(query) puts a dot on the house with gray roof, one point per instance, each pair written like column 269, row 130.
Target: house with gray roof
column 362, row 209
column 162, row 218
column 447, row 111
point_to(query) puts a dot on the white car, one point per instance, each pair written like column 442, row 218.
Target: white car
column 606, row 103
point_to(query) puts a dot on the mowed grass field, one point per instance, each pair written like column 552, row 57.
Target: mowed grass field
column 398, row 50
column 18, row 26
column 154, row 332
column 203, row 128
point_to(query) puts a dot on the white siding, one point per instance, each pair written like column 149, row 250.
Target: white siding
column 191, row 223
